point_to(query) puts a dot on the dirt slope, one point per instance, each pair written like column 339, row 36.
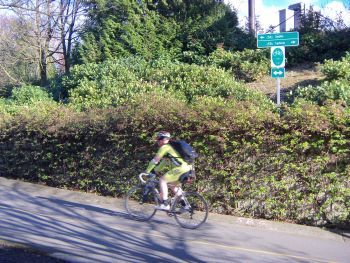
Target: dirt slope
column 301, row 75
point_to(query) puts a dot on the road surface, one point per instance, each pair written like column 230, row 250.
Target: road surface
column 80, row 227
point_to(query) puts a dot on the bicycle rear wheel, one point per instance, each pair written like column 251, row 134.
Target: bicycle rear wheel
column 193, row 213
column 140, row 206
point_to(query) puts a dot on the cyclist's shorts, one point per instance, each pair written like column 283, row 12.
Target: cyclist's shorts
column 174, row 174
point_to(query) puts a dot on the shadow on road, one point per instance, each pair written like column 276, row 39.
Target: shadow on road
column 66, row 227
column 60, row 225
column 68, row 205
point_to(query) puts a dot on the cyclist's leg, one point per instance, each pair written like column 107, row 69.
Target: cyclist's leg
column 163, row 166
column 163, row 188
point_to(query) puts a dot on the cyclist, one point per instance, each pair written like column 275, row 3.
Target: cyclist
column 167, row 159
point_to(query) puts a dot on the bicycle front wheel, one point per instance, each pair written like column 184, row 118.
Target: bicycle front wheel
column 190, row 210
column 140, row 206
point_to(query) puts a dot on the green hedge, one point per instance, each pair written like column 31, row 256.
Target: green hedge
column 252, row 162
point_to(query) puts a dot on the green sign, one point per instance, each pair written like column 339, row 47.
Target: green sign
column 278, row 39
column 277, row 73
column 277, row 57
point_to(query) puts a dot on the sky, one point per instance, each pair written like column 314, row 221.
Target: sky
column 267, row 10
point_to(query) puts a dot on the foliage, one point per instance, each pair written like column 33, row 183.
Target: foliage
column 28, row 98
column 28, row 94
column 335, row 90
column 15, row 57
column 193, row 80
column 248, row 65
column 336, row 86
column 252, row 162
column 335, row 70
column 124, row 28
column 320, row 38
column 116, row 82
column 175, row 29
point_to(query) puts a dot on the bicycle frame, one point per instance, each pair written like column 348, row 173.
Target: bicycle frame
column 152, row 184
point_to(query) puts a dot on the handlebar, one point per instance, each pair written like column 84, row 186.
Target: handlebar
column 141, row 179
column 149, row 176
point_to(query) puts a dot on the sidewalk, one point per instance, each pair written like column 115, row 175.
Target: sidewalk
column 101, row 202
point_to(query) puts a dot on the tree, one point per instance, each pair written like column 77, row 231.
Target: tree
column 122, row 27
column 70, row 20
column 16, row 55
column 51, row 29
column 322, row 38
column 149, row 28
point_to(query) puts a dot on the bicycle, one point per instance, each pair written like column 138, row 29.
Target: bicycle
column 189, row 209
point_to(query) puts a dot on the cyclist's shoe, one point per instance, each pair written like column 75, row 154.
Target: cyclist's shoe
column 163, row 207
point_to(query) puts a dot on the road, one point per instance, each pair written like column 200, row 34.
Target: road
column 81, row 227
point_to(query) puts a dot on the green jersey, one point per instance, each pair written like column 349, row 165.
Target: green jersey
column 166, row 151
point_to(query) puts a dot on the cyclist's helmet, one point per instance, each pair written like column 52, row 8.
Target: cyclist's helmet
column 162, row 135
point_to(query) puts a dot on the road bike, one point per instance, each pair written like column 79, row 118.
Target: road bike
column 189, row 209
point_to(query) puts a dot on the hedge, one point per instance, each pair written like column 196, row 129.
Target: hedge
column 252, row 162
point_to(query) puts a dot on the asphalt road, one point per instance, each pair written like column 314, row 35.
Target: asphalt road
column 80, row 227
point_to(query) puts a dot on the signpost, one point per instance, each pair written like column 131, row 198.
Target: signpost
column 278, row 42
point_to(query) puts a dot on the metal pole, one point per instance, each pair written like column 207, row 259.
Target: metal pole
column 251, row 14
column 278, row 92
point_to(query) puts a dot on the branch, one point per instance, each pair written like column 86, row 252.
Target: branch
column 9, row 76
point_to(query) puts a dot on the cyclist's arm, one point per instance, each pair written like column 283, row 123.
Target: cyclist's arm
column 154, row 162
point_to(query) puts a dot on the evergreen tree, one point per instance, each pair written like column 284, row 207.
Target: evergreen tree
column 180, row 29
column 120, row 28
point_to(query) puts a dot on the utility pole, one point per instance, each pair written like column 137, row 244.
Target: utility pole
column 251, row 13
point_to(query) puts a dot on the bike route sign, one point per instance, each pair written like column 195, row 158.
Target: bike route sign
column 287, row 39
column 278, row 57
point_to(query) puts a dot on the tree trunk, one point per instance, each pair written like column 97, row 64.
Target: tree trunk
column 43, row 68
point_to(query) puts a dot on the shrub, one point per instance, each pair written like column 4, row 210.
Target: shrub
column 28, row 94
column 27, row 98
column 194, row 80
column 336, row 86
column 252, row 161
column 334, row 90
column 336, row 70
column 248, row 65
column 111, row 83
column 116, row 82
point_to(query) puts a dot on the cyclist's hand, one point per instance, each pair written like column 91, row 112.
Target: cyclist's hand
column 151, row 175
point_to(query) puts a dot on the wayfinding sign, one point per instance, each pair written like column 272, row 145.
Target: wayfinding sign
column 287, row 39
